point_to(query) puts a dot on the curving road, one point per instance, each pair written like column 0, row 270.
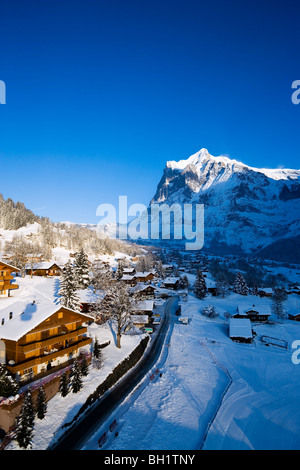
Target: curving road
column 74, row 438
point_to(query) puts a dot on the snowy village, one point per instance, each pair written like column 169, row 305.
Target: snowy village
column 149, row 229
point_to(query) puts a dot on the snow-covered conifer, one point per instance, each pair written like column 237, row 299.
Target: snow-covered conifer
column 76, row 381
column 25, row 422
column 82, row 270
column 240, row 285
column 41, row 404
column 68, row 288
column 8, row 386
column 200, row 289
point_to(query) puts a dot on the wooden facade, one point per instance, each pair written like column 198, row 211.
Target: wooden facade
column 52, row 342
column 6, row 277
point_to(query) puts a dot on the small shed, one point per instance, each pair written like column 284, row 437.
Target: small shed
column 265, row 292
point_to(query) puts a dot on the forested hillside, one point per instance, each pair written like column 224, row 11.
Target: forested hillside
column 15, row 215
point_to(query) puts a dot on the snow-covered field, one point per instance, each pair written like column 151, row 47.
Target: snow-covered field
column 62, row 410
column 213, row 393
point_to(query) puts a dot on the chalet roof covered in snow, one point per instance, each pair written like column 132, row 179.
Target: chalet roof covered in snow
column 43, row 265
column 248, row 309
column 171, row 280
column 140, row 288
column 20, row 317
column 240, row 328
column 9, row 266
column 145, row 305
column 137, row 319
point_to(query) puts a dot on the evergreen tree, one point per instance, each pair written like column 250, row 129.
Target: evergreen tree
column 183, row 282
column 84, row 367
column 41, row 405
column 119, row 272
column 82, row 270
column 8, row 386
column 64, row 384
column 25, row 422
column 240, row 286
column 200, row 289
column 76, row 381
column 68, row 288
column 278, row 297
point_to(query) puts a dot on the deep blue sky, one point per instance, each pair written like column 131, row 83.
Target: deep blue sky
column 100, row 94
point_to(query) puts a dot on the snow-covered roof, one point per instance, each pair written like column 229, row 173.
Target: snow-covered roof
column 171, row 280
column 261, row 310
column 43, row 265
column 128, row 270
column 140, row 274
column 136, row 319
column 140, row 287
column 240, row 328
column 9, row 266
column 146, row 305
column 267, row 290
column 26, row 316
column 127, row 277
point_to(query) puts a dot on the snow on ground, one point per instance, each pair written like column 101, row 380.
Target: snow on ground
column 61, row 410
column 213, row 393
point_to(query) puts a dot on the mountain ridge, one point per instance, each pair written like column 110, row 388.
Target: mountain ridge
column 246, row 209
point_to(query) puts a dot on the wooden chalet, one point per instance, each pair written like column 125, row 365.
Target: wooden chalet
column 144, row 277
column 255, row 314
column 143, row 292
column 294, row 316
column 171, row 283
column 211, row 287
column 130, row 271
column 44, row 269
column 6, row 277
column 129, row 279
column 294, row 290
column 36, row 336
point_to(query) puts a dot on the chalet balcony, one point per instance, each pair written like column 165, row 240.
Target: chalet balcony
column 4, row 284
column 50, row 355
column 8, row 277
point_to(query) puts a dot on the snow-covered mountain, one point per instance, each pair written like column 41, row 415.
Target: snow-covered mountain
column 246, row 209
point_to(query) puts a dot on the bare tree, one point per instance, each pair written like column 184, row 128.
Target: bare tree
column 118, row 305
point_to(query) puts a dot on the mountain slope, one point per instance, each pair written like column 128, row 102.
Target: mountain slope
column 246, row 209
